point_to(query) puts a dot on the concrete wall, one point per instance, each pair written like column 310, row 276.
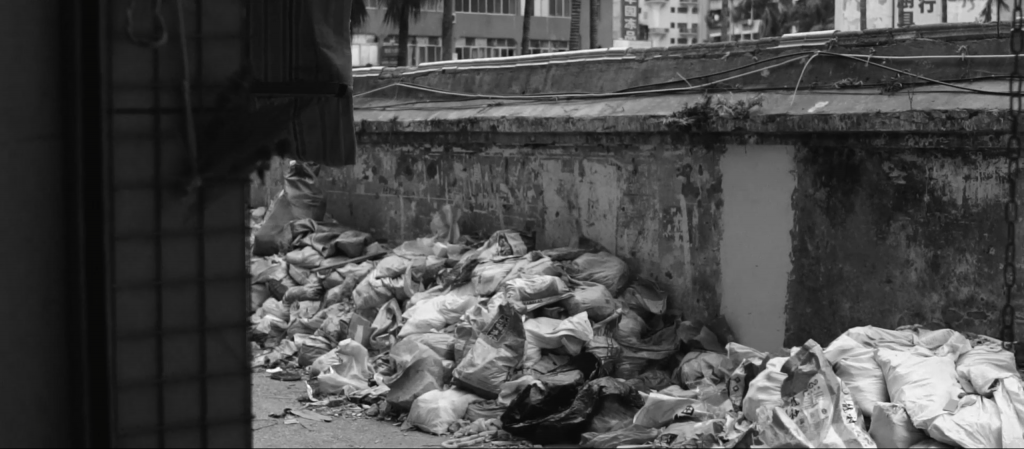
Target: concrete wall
column 36, row 405
column 789, row 242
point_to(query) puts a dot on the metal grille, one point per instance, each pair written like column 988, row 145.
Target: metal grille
column 180, row 356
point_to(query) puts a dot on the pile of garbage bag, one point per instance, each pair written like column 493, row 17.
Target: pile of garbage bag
column 490, row 339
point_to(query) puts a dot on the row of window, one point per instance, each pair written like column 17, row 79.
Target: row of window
column 685, row 10
column 693, row 27
column 428, row 49
column 683, row 40
column 542, row 8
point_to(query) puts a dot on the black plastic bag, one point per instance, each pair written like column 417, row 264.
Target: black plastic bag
column 567, row 425
column 557, row 394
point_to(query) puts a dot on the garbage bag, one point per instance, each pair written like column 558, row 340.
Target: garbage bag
column 258, row 294
column 982, row 422
column 613, row 412
column 629, row 367
column 505, row 243
column 817, row 409
column 645, row 296
column 568, row 424
column 924, row 385
column 276, row 309
column 603, row 345
column 698, row 337
column 631, row 434
column 392, row 266
column 652, row 380
column 891, row 427
column 592, row 298
column 417, row 370
column 657, row 346
column 661, row 410
column 335, row 323
column 311, row 347
column 350, row 243
column 980, row 368
column 310, row 292
column 602, row 268
column 489, row 409
column 437, row 410
column 532, row 292
column 739, row 382
column 307, row 326
column 300, row 199
column 488, row 276
column 348, row 364
column 549, row 333
column 472, row 324
column 495, row 353
column 697, row 366
column 385, row 326
column 436, row 313
column 931, row 444
column 306, row 257
column 443, row 344
column 630, row 326
column 864, row 377
column 371, row 293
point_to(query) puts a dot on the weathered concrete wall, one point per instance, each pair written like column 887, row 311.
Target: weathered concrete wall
column 890, row 238
column 657, row 207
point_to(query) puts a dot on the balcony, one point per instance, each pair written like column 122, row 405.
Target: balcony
column 658, row 30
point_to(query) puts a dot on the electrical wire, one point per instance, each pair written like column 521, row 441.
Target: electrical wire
column 633, row 91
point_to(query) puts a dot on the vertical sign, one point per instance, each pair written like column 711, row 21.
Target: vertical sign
column 630, row 19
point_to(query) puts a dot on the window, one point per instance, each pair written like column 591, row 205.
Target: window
column 559, row 8
column 673, row 25
column 472, row 48
column 682, row 27
column 693, row 28
column 683, row 10
column 672, row 40
column 694, row 10
column 673, row 9
column 482, row 6
column 537, row 46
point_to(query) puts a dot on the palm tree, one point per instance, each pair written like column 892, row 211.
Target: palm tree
column 989, row 14
column 448, row 30
column 812, row 15
column 524, row 48
column 595, row 21
column 574, row 25
column 770, row 13
column 359, row 14
column 399, row 12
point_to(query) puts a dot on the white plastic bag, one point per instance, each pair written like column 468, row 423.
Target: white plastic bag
column 660, row 410
column 982, row 422
column 980, row 368
column 436, row 313
column 925, row 386
column 348, row 364
column 437, row 410
column 891, row 427
column 549, row 333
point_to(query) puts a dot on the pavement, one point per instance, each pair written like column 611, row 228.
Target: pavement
column 271, row 396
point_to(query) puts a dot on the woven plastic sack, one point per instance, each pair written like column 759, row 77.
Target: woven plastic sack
column 817, row 409
column 348, row 364
column 925, row 386
column 497, row 351
column 592, row 298
column 864, row 377
column 300, row 199
column 891, row 427
column 531, row 292
column 418, row 370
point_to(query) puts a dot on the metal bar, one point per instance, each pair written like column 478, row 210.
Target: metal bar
column 158, row 267
column 179, row 331
column 291, row 89
column 170, row 283
column 141, row 431
column 201, row 263
column 139, row 111
column 181, row 234
column 109, row 227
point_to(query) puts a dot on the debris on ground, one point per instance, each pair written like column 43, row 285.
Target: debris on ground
column 491, row 342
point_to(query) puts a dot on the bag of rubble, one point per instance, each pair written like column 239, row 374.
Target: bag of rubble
column 817, row 409
column 891, row 427
column 417, row 371
column 347, row 366
column 645, row 297
column 604, row 347
column 300, row 199
column 602, row 268
column 437, row 313
column 593, row 298
column 531, row 292
column 437, row 410
column 497, row 351
column 569, row 335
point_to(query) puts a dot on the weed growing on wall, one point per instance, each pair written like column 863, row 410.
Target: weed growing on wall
column 695, row 117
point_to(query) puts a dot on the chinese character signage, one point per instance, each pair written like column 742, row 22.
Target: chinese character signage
column 919, row 12
column 630, row 19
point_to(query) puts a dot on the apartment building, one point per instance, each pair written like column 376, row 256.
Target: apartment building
column 662, row 23
column 483, row 29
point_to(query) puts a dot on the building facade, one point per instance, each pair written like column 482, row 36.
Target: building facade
column 483, row 29
column 662, row 23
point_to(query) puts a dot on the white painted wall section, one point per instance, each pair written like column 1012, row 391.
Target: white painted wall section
column 757, row 185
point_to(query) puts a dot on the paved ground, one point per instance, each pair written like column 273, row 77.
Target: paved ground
column 271, row 396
